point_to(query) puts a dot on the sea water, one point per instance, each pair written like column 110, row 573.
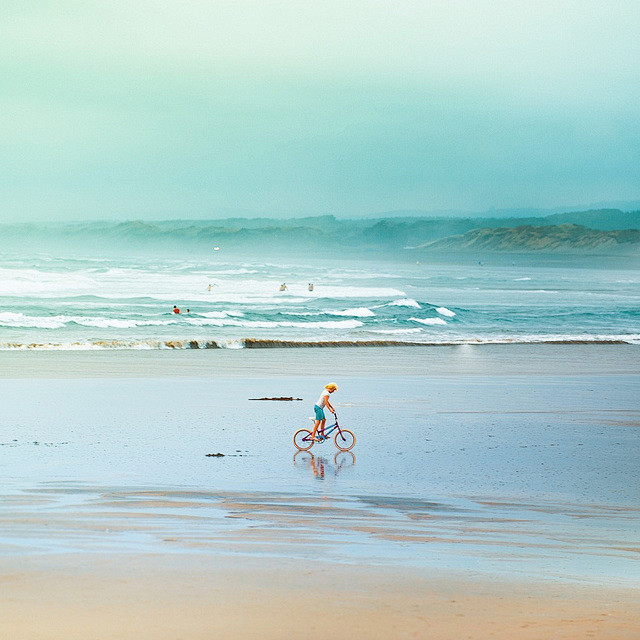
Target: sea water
column 104, row 302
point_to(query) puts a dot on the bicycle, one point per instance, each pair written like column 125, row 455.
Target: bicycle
column 344, row 439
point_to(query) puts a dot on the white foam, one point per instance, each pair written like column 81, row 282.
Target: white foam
column 429, row 321
column 443, row 311
column 114, row 323
column 231, row 344
column 11, row 319
column 395, row 331
column 106, row 323
column 232, row 272
column 358, row 312
column 404, row 302
column 239, row 343
column 268, row 324
column 339, row 292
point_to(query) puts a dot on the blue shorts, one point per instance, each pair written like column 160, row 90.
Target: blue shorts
column 319, row 412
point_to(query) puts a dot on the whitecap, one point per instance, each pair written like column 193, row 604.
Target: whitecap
column 268, row 324
column 11, row 319
column 106, row 323
column 395, row 331
column 341, row 292
column 358, row 312
column 233, row 272
column 443, row 311
column 429, row 321
column 115, row 323
column 404, row 302
column 231, row 344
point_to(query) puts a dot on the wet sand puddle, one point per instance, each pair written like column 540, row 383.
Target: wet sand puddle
column 567, row 541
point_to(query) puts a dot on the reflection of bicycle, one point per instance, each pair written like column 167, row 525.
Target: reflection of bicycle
column 320, row 466
column 344, row 459
column 344, row 439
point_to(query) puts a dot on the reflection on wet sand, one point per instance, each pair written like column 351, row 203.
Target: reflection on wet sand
column 320, row 466
column 496, row 535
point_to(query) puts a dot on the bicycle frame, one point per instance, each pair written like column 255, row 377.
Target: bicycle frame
column 344, row 439
column 331, row 428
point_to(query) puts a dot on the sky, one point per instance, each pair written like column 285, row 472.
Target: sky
column 159, row 109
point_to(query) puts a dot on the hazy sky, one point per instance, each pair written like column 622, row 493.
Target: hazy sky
column 155, row 109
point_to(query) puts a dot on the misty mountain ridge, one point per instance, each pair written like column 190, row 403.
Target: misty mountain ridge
column 587, row 231
column 563, row 238
column 509, row 212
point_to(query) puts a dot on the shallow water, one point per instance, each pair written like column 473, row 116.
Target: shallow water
column 530, row 475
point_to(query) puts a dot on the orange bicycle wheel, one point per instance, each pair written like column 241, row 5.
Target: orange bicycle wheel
column 345, row 440
column 302, row 439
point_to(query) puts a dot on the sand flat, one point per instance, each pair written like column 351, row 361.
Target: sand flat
column 480, row 501
column 196, row 596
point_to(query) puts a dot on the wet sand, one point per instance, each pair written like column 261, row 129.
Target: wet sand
column 488, row 495
column 144, row 597
column 446, row 360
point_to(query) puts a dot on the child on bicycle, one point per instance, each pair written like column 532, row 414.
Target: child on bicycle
column 318, row 407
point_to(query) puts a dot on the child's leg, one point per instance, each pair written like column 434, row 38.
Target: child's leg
column 315, row 428
column 322, row 423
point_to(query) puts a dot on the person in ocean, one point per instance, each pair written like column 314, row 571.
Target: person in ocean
column 318, row 407
column 311, row 286
column 175, row 309
column 283, row 286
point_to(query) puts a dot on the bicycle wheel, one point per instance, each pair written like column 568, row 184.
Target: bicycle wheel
column 302, row 439
column 345, row 440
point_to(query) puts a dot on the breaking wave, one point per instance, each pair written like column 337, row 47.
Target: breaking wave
column 404, row 302
column 268, row 343
column 429, row 321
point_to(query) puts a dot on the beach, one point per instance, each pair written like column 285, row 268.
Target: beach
column 492, row 492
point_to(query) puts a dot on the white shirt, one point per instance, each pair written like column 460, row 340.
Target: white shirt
column 323, row 398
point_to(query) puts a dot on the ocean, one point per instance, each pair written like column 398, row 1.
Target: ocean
column 115, row 302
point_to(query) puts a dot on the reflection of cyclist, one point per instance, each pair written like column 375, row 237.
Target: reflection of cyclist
column 321, row 419
column 318, row 470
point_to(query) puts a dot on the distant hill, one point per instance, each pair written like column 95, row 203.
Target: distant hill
column 605, row 219
column 563, row 238
column 605, row 230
